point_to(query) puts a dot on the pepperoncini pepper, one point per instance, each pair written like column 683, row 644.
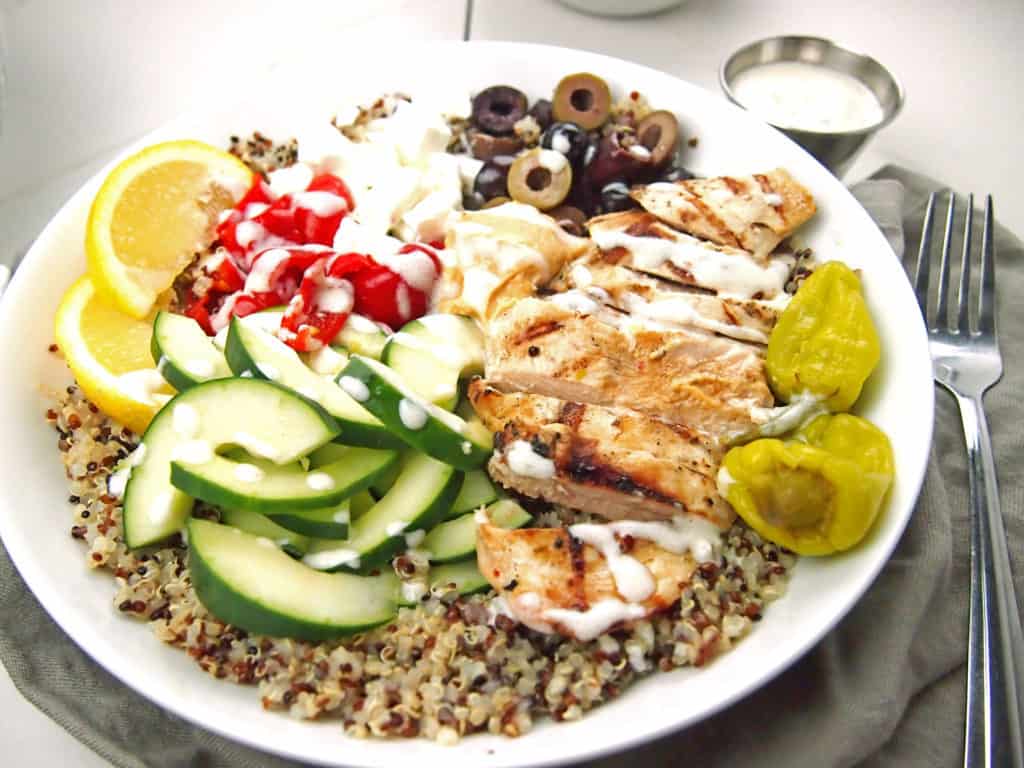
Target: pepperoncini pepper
column 816, row 494
column 824, row 342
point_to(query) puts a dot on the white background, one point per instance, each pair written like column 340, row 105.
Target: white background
column 84, row 77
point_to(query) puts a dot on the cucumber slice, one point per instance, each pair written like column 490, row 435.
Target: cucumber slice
column 323, row 523
column 477, row 491
column 265, row 487
column 268, row 320
column 360, row 504
column 417, row 501
column 439, row 434
column 261, row 416
column 456, row 539
column 291, row 543
column 361, row 336
column 254, row 352
column 246, row 581
column 433, row 353
column 184, row 354
column 465, row 578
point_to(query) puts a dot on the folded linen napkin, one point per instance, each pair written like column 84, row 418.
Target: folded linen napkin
column 885, row 688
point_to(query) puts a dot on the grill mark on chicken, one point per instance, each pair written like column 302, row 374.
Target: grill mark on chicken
column 535, row 332
column 723, row 234
column 735, row 185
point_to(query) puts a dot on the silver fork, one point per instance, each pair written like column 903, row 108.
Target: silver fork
column 966, row 361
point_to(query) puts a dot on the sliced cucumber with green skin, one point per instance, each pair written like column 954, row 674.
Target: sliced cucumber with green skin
column 361, row 336
column 426, row 427
column 416, row 502
column 184, row 354
column 254, row 352
column 456, row 539
column 360, row 504
column 248, row 582
column 465, row 578
column 383, row 483
column 268, row 320
column 265, row 487
column 261, row 416
column 477, row 491
column 291, row 543
column 433, row 353
column 324, row 523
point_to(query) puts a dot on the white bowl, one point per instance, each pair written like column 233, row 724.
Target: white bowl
column 34, row 518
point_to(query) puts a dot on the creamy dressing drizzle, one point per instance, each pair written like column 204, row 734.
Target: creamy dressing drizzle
column 695, row 535
column 255, row 446
column 678, row 311
column 334, row 295
column 801, row 408
column 258, row 280
column 354, row 388
column 450, row 420
column 597, row 619
column 411, row 415
column 575, row 301
column 729, row 274
column 523, row 460
column 319, row 481
column 248, row 473
column 321, row 203
column 632, row 578
column 332, row 558
column 198, row 367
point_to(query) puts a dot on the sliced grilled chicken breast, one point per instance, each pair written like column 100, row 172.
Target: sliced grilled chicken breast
column 547, row 578
column 501, row 254
column 606, row 358
column 751, row 212
column 612, row 462
column 647, row 297
column 638, row 240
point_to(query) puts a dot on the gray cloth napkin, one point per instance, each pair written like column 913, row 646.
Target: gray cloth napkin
column 885, row 688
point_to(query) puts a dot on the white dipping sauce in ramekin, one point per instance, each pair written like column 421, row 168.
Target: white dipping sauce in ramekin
column 809, row 97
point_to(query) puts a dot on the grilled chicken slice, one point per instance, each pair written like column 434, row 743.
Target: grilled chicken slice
column 501, row 254
column 546, row 577
column 607, row 358
column 647, row 297
column 638, row 240
column 751, row 212
column 614, row 463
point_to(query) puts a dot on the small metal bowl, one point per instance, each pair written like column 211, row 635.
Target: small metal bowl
column 835, row 150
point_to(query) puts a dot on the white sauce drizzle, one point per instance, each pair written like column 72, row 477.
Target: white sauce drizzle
column 321, row 203
column 415, row 267
column 395, row 528
column 138, row 456
column 248, row 232
column 724, row 481
column 255, row 446
column 185, row 421
column 552, row 160
column 193, row 452
column 332, row 558
column 198, row 367
column 117, row 482
column 695, row 535
column 632, row 578
column 248, row 473
column 679, row 311
column 287, row 181
column 523, row 460
column 319, row 481
column 258, row 280
column 334, row 295
column 575, row 301
column 354, row 388
column 414, row 538
column 581, row 276
column 730, row 274
column 269, row 371
column 412, row 416
column 597, row 619
column 777, row 421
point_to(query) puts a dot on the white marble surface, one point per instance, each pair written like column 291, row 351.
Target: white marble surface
column 81, row 78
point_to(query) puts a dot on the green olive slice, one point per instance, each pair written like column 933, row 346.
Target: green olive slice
column 584, row 99
column 540, row 177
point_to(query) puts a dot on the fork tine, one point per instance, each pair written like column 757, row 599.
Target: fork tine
column 987, row 294
column 924, row 258
column 963, row 319
column 942, row 307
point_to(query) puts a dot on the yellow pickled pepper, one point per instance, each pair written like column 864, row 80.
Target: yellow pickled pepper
column 824, row 342
column 816, row 494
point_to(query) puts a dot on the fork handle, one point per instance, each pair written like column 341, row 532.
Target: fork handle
column 996, row 648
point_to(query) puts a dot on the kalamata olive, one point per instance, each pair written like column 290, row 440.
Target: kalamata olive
column 541, row 112
column 615, row 197
column 675, row 173
column 659, row 132
column 494, row 202
column 569, row 139
column 484, row 146
column 541, row 178
column 569, row 218
column 617, row 161
column 492, row 179
column 498, row 108
column 474, row 201
column 584, row 99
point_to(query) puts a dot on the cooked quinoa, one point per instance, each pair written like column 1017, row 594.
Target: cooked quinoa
column 446, row 668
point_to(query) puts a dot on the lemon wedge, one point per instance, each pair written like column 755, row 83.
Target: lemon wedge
column 109, row 354
column 154, row 212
